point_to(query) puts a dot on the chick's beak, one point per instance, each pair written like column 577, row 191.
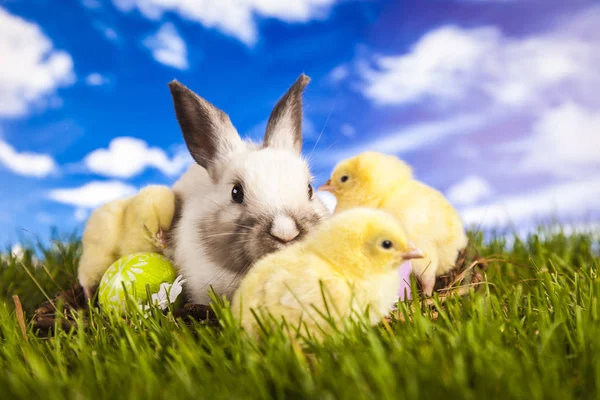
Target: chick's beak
column 411, row 254
column 327, row 187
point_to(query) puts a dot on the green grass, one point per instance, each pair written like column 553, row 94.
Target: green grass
column 532, row 333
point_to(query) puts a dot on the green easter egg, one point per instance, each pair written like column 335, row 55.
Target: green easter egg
column 135, row 271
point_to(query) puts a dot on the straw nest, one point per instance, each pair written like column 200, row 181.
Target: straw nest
column 64, row 310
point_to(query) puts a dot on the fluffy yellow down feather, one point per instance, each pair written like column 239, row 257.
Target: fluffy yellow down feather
column 354, row 256
column 122, row 227
column 382, row 181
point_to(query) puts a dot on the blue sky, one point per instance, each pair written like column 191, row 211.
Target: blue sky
column 498, row 109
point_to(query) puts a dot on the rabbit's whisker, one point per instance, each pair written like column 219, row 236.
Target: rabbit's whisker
column 225, row 234
column 322, row 130
column 229, row 211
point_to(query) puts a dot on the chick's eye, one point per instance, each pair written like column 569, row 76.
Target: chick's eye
column 310, row 191
column 237, row 193
column 386, row 244
column 344, row 179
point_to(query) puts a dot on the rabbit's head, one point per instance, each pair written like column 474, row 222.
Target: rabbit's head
column 260, row 196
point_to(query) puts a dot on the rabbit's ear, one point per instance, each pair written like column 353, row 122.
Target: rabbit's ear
column 207, row 131
column 284, row 129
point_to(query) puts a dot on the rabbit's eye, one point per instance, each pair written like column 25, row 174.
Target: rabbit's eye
column 310, row 191
column 387, row 244
column 237, row 193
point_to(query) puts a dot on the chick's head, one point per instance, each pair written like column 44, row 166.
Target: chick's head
column 363, row 241
column 362, row 179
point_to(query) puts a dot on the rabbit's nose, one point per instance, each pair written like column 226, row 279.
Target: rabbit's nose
column 284, row 229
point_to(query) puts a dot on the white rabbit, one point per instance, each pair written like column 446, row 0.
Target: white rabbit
column 242, row 200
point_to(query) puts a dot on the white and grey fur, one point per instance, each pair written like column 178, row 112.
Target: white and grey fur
column 214, row 240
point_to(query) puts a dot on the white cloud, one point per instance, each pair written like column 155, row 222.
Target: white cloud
column 348, row 130
column 413, row 137
column 26, row 164
column 438, row 66
column 582, row 227
column 488, row 1
column 452, row 65
column 93, row 194
column 466, row 151
column 567, row 200
column 127, row 157
column 565, row 142
column 470, row 190
column 107, row 31
column 17, row 251
column 45, row 218
column 80, row 214
column 542, row 85
column 425, row 134
column 110, row 33
column 91, row 4
column 547, row 230
column 96, row 79
column 236, row 18
column 31, row 70
column 339, row 73
column 168, row 47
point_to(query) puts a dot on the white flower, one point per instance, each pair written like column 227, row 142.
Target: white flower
column 167, row 293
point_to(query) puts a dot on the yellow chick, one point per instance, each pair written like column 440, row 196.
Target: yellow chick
column 355, row 256
column 383, row 181
column 121, row 227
